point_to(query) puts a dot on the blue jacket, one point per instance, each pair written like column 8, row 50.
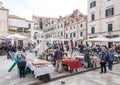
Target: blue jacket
column 110, row 56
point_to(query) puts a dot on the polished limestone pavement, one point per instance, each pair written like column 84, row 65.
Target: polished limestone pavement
column 91, row 78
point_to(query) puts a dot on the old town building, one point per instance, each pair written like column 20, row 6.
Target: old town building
column 103, row 18
column 21, row 26
column 41, row 21
column 72, row 26
column 3, row 19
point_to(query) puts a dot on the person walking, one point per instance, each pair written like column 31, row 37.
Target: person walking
column 110, row 56
column 58, row 60
column 103, row 60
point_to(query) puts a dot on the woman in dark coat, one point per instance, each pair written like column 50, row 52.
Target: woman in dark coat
column 87, row 58
column 103, row 60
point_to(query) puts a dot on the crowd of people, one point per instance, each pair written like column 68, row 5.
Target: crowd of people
column 105, row 55
column 12, row 50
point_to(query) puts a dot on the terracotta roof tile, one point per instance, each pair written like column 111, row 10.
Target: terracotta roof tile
column 15, row 17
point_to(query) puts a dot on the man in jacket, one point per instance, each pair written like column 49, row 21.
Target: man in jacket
column 58, row 59
column 110, row 56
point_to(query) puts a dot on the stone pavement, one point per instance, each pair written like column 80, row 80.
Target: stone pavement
column 91, row 78
column 88, row 78
column 12, row 78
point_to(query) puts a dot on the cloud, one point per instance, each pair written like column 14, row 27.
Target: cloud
column 55, row 8
column 50, row 8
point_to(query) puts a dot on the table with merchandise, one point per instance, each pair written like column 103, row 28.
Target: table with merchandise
column 40, row 67
column 71, row 63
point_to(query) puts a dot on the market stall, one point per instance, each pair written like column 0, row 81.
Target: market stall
column 49, row 54
column 117, row 57
column 41, row 68
column 80, row 57
column 94, row 61
column 71, row 63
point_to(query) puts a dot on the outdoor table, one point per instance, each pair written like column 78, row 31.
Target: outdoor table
column 81, row 58
column 72, row 63
column 41, row 70
column 117, row 56
column 94, row 60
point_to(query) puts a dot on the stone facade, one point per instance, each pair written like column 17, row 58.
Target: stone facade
column 41, row 21
column 3, row 19
column 72, row 26
column 21, row 26
column 106, row 18
column 55, row 30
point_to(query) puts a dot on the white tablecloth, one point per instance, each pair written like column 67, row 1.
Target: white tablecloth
column 117, row 55
column 29, row 64
column 79, row 57
column 38, row 71
column 42, row 70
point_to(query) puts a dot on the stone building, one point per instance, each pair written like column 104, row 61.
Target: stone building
column 72, row 26
column 40, row 24
column 21, row 26
column 3, row 19
column 55, row 30
column 103, row 18
column 41, row 21
column 75, row 25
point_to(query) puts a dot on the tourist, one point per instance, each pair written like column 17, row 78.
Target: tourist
column 72, row 45
column 58, row 60
column 61, row 47
column 81, row 47
column 87, row 58
column 9, row 51
column 110, row 56
column 21, row 66
column 67, row 47
column 13, row 52
column 103, row 60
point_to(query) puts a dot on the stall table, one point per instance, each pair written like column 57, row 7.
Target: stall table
column 117, row 57
column 94, row 61
column 41, row 71
column 81, row 58
column 72, row 64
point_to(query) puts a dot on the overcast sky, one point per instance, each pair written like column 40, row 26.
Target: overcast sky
column 49, row 8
